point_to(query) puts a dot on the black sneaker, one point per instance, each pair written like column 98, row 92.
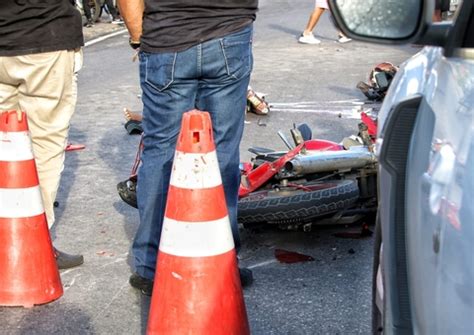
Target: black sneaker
column 246, row 277
column 66, row 261
column 89, row 23
column 140, row 283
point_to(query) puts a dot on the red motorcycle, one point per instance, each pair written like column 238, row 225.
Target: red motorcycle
column 315, row 178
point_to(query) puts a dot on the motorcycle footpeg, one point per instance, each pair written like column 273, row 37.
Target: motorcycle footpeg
column 260, row 150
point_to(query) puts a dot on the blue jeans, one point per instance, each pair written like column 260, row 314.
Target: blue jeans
column 212, row 76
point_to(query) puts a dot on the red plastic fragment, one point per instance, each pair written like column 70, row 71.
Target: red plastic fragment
column 72, row 147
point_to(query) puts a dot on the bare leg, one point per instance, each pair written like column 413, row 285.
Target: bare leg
column 313, row 20
column 129, row 115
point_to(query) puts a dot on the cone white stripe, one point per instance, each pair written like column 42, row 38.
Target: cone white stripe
column 20, row 202
column 15, row 146
column 196, row 239
column 195, row 171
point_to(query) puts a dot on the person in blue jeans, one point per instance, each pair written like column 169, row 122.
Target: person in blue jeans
column 193, row 54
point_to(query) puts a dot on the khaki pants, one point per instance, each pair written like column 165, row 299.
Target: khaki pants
column 43, row 85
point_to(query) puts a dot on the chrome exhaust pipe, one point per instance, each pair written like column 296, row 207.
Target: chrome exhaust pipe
column 327, row 161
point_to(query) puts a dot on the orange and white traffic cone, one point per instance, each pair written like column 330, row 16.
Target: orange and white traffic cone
column 29, row 274
column 197, row 286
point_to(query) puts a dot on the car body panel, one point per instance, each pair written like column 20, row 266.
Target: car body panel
column 450, row 204
column 439, row 221
column 425, row 145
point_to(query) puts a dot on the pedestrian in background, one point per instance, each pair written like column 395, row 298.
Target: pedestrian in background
column 88, row 14
column 307, row 36
column 441, row 6
column 193, row 54
column 110, row 7
column 39, row 54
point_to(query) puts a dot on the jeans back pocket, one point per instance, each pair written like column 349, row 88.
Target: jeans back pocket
column 157, row 69
column 237, row 50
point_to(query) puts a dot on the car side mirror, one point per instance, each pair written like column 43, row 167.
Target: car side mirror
column 385, row 21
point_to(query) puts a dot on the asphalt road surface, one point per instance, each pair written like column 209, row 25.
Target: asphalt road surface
column 303, row 83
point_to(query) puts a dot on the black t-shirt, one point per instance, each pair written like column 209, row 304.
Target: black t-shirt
column 177, row 25
column 34, row 26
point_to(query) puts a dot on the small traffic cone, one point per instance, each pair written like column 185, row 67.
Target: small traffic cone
column 28, row 271
column 197, row 286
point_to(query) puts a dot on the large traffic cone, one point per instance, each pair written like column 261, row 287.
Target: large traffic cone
column 197, row 286
column 28, row 271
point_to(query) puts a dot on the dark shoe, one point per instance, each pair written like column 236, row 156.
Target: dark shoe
column 143, row 284
column 246, row 277
column 66, row 261
column 89, row 23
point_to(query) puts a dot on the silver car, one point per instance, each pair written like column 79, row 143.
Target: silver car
column 424, row 248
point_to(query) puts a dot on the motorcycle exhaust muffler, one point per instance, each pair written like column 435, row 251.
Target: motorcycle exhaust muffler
column 327, row 161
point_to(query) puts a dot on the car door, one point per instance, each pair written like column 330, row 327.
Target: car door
column 437, row 174
column 439, row 198
column 424, row 251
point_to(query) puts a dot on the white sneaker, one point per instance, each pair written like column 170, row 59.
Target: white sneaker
column 308, row 39
column 344, row 39
column 117, row 20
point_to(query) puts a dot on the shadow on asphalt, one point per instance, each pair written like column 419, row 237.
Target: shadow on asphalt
column 285, row 29
column 120, row 165
column 350, row 92
column 127, row 146
column 69, row 174
column 145, row 307
column 55, row 319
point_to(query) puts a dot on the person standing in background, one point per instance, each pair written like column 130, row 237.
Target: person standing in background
column 39, row 55
column 193, row 54
column 110, row 7
column 307, row 36
column 88, row 14
column 441, row 6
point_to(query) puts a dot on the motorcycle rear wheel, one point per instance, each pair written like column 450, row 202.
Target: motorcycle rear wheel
column 297, row 204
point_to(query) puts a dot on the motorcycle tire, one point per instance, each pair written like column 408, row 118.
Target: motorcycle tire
column 297, row 204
